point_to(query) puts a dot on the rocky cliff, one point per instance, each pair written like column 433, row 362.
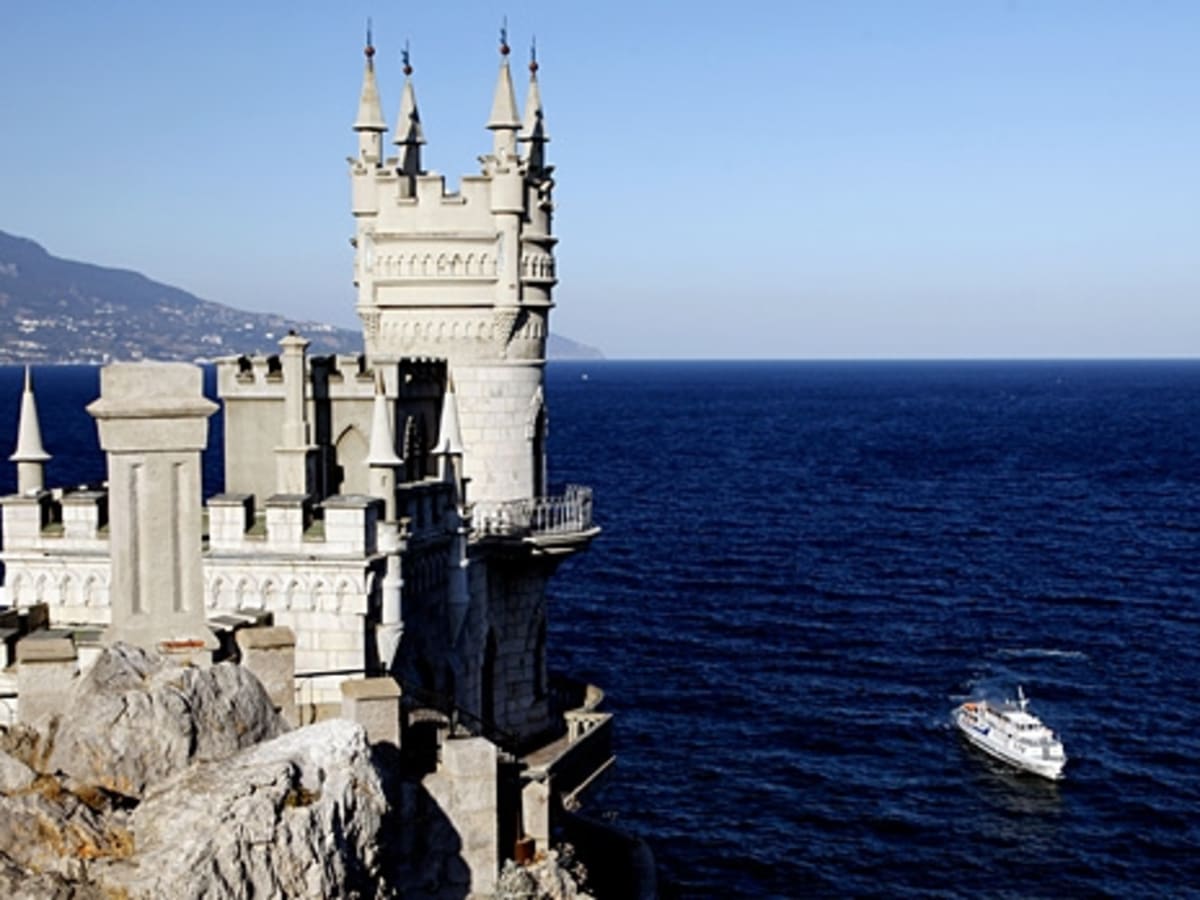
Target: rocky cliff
column 160, row 780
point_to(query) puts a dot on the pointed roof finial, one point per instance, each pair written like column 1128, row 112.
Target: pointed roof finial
column 382, row 452
column 533, row 63
column 370, row 114
column 533, row 131
column 29, row 432
column 449, row 433
column 408, row 122
column 504, row 102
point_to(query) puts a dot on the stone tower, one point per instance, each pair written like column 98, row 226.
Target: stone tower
column 389, row 507
column 465, row 276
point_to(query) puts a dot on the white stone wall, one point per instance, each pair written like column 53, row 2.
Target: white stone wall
column 498, row 413
column 326, row 604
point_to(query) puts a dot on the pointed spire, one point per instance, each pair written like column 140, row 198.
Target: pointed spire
column 449, row 434
column 409, row 135
column 534, row 130
column 382, row 452
column 30, row 455
column 504, row 103
column 370, row 113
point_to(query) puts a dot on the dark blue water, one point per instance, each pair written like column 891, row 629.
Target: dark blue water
column 805, row 566
column 69, row 433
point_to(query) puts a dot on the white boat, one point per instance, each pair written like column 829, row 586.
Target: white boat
column 1012, row 734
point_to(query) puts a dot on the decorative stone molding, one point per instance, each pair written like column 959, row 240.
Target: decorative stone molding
column 506, row 319
column 370, row 320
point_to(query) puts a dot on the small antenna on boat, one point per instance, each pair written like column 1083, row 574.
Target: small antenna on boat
column 1021, row 698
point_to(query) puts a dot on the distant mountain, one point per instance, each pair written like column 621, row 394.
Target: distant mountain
column 58, row 311
column 558, row 347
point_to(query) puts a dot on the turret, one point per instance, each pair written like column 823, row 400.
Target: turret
column 381, row 456
column 534, row 131
column 537, row 247
column 30, row 456
column 504, row 121
column 409, row 136
column 370, row 123
column 383, row 462
column 508, row 201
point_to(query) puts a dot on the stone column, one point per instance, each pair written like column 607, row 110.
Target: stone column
column 294, row 457
column 153, row 423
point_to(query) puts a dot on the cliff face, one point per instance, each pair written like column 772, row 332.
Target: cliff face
column 56, row 310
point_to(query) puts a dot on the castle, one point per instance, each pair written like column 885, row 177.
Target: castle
column 389, row 511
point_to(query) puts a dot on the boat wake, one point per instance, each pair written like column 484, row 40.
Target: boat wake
column 1039, row 653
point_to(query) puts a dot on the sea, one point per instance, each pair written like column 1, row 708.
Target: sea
column 805, row 566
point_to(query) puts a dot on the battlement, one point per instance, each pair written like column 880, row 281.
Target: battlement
column 261, row 376
column 345, row 525
column 56, row 520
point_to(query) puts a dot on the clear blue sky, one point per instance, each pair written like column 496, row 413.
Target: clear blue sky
column 803, row 179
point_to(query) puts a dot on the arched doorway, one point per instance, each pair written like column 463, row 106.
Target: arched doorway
column 351, row 449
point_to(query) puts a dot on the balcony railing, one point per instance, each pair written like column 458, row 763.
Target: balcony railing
column 567, row 513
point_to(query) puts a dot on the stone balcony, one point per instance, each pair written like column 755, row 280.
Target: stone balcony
column 557, row 523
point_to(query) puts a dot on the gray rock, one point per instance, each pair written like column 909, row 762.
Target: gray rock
column 50, row 829
column 18, row 883
column 137, row 718
column 298, row 816
column 14, row 774
column 546, row 878
column 153, row 784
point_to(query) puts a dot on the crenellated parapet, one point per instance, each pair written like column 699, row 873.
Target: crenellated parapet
column 56, row 552
column 262, row 377
column 58, row 520
column 343, row 526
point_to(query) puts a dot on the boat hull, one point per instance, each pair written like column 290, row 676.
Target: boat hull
column 985, row 738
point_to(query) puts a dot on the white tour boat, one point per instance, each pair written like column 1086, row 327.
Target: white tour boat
column 1009, row 732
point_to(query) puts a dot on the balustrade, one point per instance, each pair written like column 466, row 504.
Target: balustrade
column 567, row 513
